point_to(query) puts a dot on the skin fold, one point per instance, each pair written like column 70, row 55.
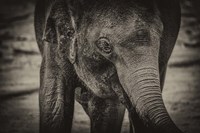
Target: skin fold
column 109, row 55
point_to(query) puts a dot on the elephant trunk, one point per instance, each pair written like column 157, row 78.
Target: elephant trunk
column 143, row 89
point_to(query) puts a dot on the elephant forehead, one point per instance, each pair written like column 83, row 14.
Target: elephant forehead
column 129, row 25
column 112, row 18
column 118, row 12
column 124, row 21
column 122, row 31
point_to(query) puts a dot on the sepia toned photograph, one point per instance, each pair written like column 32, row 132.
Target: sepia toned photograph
column 99, row 66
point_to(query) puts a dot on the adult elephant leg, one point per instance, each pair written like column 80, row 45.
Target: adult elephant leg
column 106, row 115
column 56, row 94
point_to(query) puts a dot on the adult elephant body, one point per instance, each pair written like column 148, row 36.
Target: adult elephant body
column 111, row 54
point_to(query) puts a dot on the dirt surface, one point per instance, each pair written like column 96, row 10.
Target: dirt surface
column 19, row 74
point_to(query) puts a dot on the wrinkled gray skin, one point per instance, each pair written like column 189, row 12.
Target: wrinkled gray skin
column 111, row 55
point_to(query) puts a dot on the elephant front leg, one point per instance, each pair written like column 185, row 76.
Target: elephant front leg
column 56, row 98
column 106, row 115
column 56, row 106
column 56, row 111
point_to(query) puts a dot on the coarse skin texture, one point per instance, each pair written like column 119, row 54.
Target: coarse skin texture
column 111, row 54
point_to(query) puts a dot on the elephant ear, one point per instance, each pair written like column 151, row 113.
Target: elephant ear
column 59, row 30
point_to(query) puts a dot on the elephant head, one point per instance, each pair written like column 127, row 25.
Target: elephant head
column 114, row 47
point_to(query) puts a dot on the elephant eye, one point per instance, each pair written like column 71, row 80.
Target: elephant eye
column 104, row 45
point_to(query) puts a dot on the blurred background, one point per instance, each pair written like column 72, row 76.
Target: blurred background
column 20, row 62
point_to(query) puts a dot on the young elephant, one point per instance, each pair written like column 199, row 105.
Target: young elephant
column 115, row 53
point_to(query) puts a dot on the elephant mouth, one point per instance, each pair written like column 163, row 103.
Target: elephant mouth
column 101, row 85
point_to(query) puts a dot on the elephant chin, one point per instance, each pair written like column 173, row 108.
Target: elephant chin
column 143, row 89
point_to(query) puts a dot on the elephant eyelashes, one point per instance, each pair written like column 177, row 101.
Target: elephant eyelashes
column 104, row 45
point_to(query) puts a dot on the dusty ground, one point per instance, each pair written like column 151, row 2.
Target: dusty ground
column 19, row 74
